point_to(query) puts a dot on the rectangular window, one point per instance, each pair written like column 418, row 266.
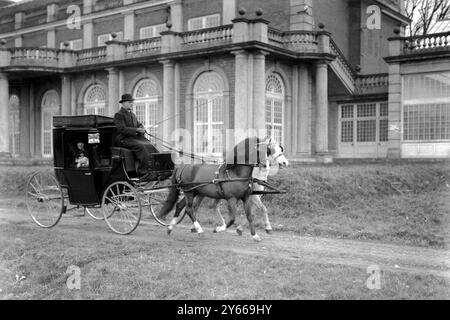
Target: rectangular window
column 204, row 22
column 426, row 108
column 365, row 122
column 151, row 31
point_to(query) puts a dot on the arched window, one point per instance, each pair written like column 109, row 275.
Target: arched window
column 95, row 100
column 50, row 107
column 148, row 105
column 275, row 107
column 14, row 125
column 209, row 114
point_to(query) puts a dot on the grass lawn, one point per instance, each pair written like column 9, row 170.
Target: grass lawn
column 33, row 265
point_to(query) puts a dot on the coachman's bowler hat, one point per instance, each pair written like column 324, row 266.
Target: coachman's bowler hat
column 126, row 97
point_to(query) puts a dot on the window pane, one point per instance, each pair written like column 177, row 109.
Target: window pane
column 347, row 111
column 347, row 131
column 366, row 130
column 212, row 21
column 195, row 23
column 426, row 122
column 384, row 130
column 366, row 110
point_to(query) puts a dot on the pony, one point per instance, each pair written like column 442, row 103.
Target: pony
column 232, row 182
column 261, row 173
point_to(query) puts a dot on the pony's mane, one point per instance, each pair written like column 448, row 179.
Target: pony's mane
column 250, row 151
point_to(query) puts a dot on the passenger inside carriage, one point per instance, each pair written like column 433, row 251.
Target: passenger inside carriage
column 81, row 156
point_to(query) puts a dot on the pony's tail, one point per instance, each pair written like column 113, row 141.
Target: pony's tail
column 171, row 198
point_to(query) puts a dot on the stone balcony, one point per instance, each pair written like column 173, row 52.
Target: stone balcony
column 419, row 47
column 242, row 34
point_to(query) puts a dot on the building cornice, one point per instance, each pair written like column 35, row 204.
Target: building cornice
column 86, row 18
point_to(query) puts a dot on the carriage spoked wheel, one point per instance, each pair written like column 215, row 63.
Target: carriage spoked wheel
column 156, row 198
column 94, row 212
column 44, row 199
column 121, row 207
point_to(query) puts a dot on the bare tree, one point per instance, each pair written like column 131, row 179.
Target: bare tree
column 424, row 14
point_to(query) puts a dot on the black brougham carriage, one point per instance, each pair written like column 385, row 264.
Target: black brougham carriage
column 92, row 173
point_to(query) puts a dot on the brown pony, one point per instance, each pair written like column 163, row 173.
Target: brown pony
column 232, row 182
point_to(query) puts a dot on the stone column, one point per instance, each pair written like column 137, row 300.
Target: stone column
column 303, row 115
column 33, row 115
column 241, row 92
column 66, row 95
column 259, row 92
column 128, row 21
column 88, row 35
column 113, row 91
column 395, row 112
column 176, row 15
column 4, row 115
column 322, row 108
column 51, row 38
column 229, row 11
column 24, row 116
column 168, row 117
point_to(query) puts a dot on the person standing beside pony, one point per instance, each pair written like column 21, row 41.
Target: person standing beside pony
column 131, row 135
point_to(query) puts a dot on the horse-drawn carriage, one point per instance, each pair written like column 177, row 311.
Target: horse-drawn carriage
column 90, row 172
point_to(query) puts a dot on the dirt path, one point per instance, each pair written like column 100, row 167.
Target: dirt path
column 284, row 245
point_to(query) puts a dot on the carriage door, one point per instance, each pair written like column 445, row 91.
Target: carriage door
column 14, row 125
column 50, row 107
column 209, row 115
column 363, row 130
column 147, row 106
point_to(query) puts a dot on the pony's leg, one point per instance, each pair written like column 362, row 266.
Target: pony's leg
column 178, row 208
column 260, row 205
column 232, row 211
column 196, row 204
column 223, row 226
column 250, row 217
column 190, row 211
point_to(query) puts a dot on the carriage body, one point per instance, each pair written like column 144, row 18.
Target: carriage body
column 107, row 163
column 86, row 183
column 92, row 173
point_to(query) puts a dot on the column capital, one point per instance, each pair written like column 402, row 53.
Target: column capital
column 167, row 62
column 260, row 54
column 112, row 70
column 322, row 63
column 240, row 52
column 65, row 77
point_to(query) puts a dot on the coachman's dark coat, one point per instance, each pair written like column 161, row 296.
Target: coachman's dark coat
column 129, row 138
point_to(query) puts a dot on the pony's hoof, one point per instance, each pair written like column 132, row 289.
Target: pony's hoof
column 169, row 231
column 193, row 230
column 256, row 238
column 239, row 232
column 220, row 229
column 269, row 231
column 215, row 230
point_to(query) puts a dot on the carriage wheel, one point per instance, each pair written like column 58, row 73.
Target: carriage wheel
column 156, row 199
column 44, row 199
column 121, row 207
column 94, row 212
